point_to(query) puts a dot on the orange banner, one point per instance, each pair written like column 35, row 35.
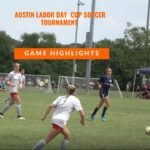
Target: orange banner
column 61, row 53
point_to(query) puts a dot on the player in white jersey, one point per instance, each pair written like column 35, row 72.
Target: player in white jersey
column 14, row 82
column 22, row 85
column 64, row 106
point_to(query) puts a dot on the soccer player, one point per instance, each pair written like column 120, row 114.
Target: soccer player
column 64, row 106
column 104, row 83
column 3, row 84
column 14, row 83
column 23, row 78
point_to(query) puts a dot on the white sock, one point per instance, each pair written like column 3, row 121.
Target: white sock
column 18, row 109
column 64, row 144
column 6, row 99
column 39, row 145
column 5, row 109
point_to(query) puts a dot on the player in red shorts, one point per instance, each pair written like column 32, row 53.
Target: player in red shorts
column 14, row 82
column 64, row 106
column 23, row 79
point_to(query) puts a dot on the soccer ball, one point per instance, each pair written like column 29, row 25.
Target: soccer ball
column 147, row 130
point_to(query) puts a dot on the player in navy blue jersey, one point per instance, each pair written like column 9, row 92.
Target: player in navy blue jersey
column 104, row 84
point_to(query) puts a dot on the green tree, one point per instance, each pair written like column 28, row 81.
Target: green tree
column 6, row 51
column 30, row 40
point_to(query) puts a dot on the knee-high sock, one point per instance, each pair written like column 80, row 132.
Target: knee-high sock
column 95, row 111
column 104, row 111
column 39, row 145
column 64, row 144
column 18, row 109
column 6, row 99
column 5, row 109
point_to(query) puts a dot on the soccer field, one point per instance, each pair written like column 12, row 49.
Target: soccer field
column 127, row 119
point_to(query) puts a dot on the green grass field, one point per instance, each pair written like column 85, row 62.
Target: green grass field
column 127, row 119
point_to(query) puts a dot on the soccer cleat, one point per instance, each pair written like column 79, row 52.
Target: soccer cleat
column 103, row 119
column 21, row 118
column 92, row 118
column 1, row 116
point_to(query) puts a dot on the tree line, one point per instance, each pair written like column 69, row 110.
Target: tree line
column 127, row 54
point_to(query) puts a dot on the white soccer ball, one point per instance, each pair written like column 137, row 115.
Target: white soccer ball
column 147, row 130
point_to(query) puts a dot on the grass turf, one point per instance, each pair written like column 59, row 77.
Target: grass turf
column 127, row 119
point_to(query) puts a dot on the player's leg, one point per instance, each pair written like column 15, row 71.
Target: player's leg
column 11, row 102
column 18, row 106
column 107, row 104
column 99, row 105
column 5, row 100
column 65, row 142
column 51, row 135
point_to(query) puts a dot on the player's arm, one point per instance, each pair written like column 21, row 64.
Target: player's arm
column 78, row 107
column 20, row 83
column 9, row 83
column 49, row 108
column 99, row 85
column 100, row 82
column 82, row 117
column 112, row 84
column 23, row 82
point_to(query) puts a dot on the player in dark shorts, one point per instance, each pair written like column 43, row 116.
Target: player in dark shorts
column 104, row 83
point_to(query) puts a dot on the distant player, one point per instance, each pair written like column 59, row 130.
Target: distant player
column 3, row 85
column 64, row 106
column 23, row 79
column 14, row 82
column 104, row 83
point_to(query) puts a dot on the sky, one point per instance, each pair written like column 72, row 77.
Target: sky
column 118, row 13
